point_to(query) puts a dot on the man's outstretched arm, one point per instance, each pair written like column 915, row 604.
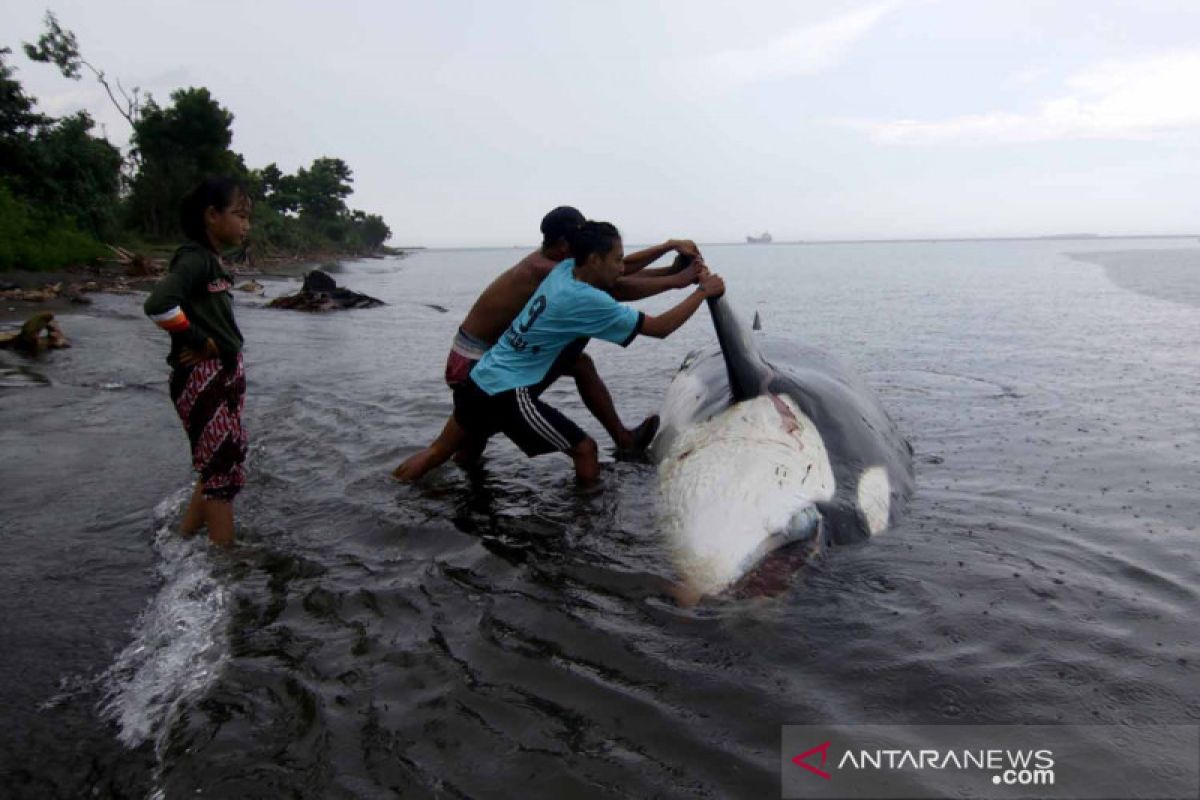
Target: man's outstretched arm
column 643, row 285
column 636, row 262
column 665, row 324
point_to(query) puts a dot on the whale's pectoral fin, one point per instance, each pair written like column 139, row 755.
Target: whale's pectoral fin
column 862, row 512
column 843, row 523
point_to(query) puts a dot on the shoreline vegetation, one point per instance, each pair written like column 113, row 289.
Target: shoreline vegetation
column 78, row 215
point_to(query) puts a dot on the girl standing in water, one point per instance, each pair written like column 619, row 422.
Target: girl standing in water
column 208, row 385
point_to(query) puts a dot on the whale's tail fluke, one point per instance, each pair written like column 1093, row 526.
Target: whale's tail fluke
column 748, row 371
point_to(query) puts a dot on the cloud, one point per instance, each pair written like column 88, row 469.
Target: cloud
column 806, row 50
column 1031, row 74
column 1112, row 100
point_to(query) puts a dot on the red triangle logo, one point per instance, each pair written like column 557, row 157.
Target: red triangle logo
column 823, row 749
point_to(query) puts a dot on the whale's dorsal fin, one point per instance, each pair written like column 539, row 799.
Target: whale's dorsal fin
column 748, row 371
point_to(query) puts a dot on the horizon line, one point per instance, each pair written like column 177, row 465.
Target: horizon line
column 1081, row 237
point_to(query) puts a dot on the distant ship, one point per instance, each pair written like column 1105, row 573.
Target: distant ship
column 763, row 238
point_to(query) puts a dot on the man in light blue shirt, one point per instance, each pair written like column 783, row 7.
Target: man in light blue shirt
column 503, row 392
column 562, row 310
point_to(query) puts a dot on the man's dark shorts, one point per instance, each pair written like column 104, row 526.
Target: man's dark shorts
column 519, row 414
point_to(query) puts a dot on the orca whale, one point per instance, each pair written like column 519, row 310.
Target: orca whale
column 768, row 452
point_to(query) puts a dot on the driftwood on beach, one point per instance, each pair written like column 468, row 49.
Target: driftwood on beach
column 75, row 292
column 321, row 293
column 40, row 332
column 137, row 265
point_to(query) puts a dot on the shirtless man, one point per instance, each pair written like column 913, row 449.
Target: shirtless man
column 504, row 298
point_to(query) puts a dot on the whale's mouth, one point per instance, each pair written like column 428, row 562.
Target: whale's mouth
column 769, row 570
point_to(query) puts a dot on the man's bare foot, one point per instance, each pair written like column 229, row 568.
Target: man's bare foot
column 639, row 439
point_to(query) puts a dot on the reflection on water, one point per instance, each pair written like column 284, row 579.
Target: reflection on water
column 19, row 375
column 500, row 631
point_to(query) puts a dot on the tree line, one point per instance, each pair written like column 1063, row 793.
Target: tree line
column 65, row 191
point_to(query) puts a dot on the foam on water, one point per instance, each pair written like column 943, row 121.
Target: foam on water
column 180, row 641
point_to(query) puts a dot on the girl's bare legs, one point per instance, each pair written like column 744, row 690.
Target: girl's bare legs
column 193, row 518
column 218, row 516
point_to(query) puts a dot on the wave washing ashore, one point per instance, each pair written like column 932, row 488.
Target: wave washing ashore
column 180, row 641
column 366, row 638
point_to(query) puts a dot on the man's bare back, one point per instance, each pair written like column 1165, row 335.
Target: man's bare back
column 504, row 297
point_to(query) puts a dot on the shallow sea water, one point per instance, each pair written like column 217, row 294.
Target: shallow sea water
column 500, row 632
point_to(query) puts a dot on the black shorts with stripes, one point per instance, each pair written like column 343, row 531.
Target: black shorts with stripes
column 519, row 414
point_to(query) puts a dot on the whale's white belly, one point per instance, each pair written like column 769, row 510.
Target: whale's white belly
column 727, row 484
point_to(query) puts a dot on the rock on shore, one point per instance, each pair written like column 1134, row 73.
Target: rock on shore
column 321, row 293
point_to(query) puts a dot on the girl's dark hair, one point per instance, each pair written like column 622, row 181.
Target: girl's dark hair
column 592, row 237
column 220, row 193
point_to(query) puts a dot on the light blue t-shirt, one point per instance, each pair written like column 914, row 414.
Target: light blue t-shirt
column 562, row 310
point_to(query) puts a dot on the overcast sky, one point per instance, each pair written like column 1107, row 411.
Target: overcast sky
column 465, row 122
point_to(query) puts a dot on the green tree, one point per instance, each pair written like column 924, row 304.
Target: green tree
column 371, row 230
column 19, row 123
column 269, row 178
column 31, row 240
column 307, row 211
column 78, row 176
column 56, row 182
column 321, row 190
column 178, row 145
column 17, row 117
column 278, row 190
